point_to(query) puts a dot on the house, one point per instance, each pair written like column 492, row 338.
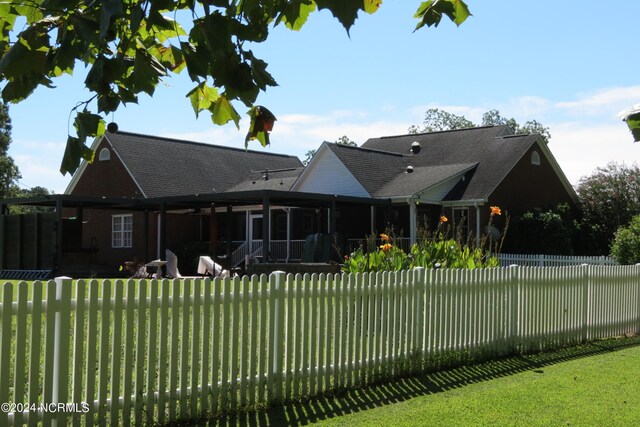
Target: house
column 457, row 173
column 143, row 194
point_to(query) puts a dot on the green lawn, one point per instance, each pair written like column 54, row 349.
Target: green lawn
column 592, row 385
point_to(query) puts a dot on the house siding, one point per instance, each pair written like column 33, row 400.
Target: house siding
column 528, row 182
column 107, row 178
column 328, row 175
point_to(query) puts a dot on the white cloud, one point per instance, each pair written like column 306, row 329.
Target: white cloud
column 579, row 143
column 606, row 102
column 580, row 147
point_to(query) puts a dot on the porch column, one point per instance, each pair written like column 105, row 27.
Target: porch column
column 213, row 230
column 146, row 236
column 413, row 234
column 373, row 220
column 477, row 225
column 229, row 235
column 332, row 218
column 57, row 253
column 162, row 239
column 266, row 220
column 288, row 234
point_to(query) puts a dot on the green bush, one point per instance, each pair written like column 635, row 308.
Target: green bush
column 626, row 243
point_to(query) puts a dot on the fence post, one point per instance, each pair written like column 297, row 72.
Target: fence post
column 586, row 291
column 277, row 282
column 637, row 275
column 5, row 345
column 515, row 307
column 418, row 282
column 61, row 347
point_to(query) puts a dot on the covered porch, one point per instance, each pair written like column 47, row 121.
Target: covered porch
column 78, row 237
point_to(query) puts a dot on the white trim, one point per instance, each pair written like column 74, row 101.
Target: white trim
column 125, row 236
column 342, row 176
column 104, row 154
column 425, row 199
column 464, row 203
column 83, row 167
column 552, row 161
column 535, row 158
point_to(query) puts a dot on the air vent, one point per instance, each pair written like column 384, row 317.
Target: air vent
column 415, row 147
column 409, row 169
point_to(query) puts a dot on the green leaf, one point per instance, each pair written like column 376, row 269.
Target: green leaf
column 202, row 96
column 430, row 12
column 146, row 72
column 197, row 63
column 28, row 55
column 345, row 11
column 261, row 124
column 73, row 154
column 259, row 72
column 372, row 6
column 21, row 87
column 89, row 125
column 110, row 9
column 223, row 112
column 633, row 121
column 295, row 14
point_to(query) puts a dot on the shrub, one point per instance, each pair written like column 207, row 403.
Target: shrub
column 626, row 243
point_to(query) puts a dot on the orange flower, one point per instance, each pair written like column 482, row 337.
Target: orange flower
column 443, row 218
column 386, row 247
column 384, row 237
column 495, row 210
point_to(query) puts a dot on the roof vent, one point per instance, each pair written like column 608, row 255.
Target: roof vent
column 409, row 169
column 415, row 147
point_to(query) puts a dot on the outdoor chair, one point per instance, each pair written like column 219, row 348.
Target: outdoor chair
column 172, row 265
column 208, row 266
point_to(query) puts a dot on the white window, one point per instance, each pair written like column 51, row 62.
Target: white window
column 105, row 154
column 122, row 231
column 535, row 158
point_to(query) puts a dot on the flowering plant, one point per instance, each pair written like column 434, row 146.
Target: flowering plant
column 432, row 250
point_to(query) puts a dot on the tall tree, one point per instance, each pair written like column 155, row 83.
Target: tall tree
column 31, row 192
column 436, row 120
column 609, row 199
column 9, row 172
column 130, row 46
column 493, row 117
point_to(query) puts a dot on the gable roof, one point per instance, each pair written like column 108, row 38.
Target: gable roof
column 494, row 151
column 464, row 164
column 171, row 167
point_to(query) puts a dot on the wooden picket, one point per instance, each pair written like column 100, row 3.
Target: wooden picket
column 125, row 352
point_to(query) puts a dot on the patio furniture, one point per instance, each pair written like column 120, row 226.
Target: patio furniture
column 208, row 266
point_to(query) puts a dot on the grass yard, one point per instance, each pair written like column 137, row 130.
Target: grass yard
column 591, row 385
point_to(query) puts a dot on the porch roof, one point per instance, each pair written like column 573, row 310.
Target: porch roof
column 234, row 198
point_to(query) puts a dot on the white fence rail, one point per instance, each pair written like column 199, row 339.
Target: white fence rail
column 157, row 351
column 553, row 260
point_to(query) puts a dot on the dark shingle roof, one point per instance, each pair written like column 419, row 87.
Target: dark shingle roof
column 380, row 164
column 171, row 167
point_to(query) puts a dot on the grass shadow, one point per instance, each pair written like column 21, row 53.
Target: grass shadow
column 352, row 401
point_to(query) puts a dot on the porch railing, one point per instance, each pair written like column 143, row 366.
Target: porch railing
column 277, row 250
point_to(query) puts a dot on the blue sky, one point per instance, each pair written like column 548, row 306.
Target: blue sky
column 570, row 65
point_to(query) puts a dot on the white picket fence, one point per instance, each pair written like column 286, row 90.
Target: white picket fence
column 552, row 260
column 127, row 352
